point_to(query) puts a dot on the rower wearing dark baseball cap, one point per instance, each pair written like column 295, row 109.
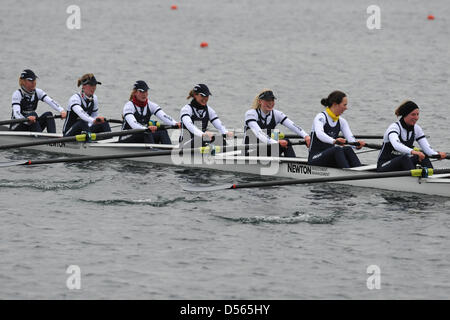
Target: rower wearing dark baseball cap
column 198, row 112
column 24, row 105
column 82, row 110
column 261, row 120
column 137, row 113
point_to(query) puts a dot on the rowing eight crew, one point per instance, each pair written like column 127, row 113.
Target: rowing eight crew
column 326, row 148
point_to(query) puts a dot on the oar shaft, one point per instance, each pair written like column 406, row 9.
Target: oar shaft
column 26, row 119
column 367, row 145
column 290, row 136
column 379, row 175
column 104, row 157
column 98, row 136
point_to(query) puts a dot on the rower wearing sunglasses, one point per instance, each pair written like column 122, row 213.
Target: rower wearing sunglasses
column 261, row 120
column 82, row 111
column 137, row 113
column 398, row 152
column 198, row 113
column 24, row 105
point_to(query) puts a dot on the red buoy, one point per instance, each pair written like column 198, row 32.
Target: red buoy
column 430, row 17
column 174, row 7
column 204, row 44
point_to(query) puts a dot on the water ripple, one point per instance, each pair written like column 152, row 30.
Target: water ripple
column 47, row 185
column 151, row 202
column 297, row 217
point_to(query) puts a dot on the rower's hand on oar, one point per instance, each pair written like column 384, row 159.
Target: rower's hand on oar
column 99, row 120
column 178, row 124
column 283, row 143
column 32, row 119
column 63, row 114
column 208, row 135
column 361, row 143
column 420, row 154
column 152, row 128
column 340, row 141
column 229, row 134
column 307, row 141
column 443, row 155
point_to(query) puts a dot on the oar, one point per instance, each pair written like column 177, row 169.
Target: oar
column 374, row 137
column 436, row 156
column 202, row 150
column 113, row 120
column 378, row 146
column 367, row 145
column 78, row 138
column 58, row 116
column 412, row 173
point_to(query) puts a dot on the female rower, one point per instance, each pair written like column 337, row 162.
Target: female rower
column 82, row 110
column 24, row 105
column 263, row 116
column 397, row 152
column 326, row 147
column 197, row 111
column 137, row 113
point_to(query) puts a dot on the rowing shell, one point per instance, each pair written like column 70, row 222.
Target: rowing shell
column 296, row 168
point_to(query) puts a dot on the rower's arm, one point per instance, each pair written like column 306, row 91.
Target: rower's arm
column 319, row 122
column 215, row 121
column 83, row 115
column 131, row 120
column 187, row 122
column 288, row 123
column 48, row 100
column 264, row 138
column 164, row 117
column 16, row 97
column 345, row 129
column 397, row 145
column 423, row 142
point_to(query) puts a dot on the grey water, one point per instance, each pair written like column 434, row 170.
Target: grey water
column 132, row 230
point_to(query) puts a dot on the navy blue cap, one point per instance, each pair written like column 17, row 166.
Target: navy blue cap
column 267, row 95
column 140, row 85
column 202, row 89
column 28, row 74
column 91, row 81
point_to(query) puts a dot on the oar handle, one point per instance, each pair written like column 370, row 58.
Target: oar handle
column 436, row 156
column 367, row 145
column 374, row 137
column 160, row 127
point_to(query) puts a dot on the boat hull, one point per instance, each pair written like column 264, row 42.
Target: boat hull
column 295, row 168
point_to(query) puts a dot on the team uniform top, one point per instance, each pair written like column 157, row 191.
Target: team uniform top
column 256, row 120
column 81, row 108
column 24, row 104
column 397, row 140
column 325, row 130
column 138, row 117
column 190, row 115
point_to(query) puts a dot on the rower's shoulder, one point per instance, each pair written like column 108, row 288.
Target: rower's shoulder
column 251, row 113
column 152, row 104
column 186, row 108
column 17, row 94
